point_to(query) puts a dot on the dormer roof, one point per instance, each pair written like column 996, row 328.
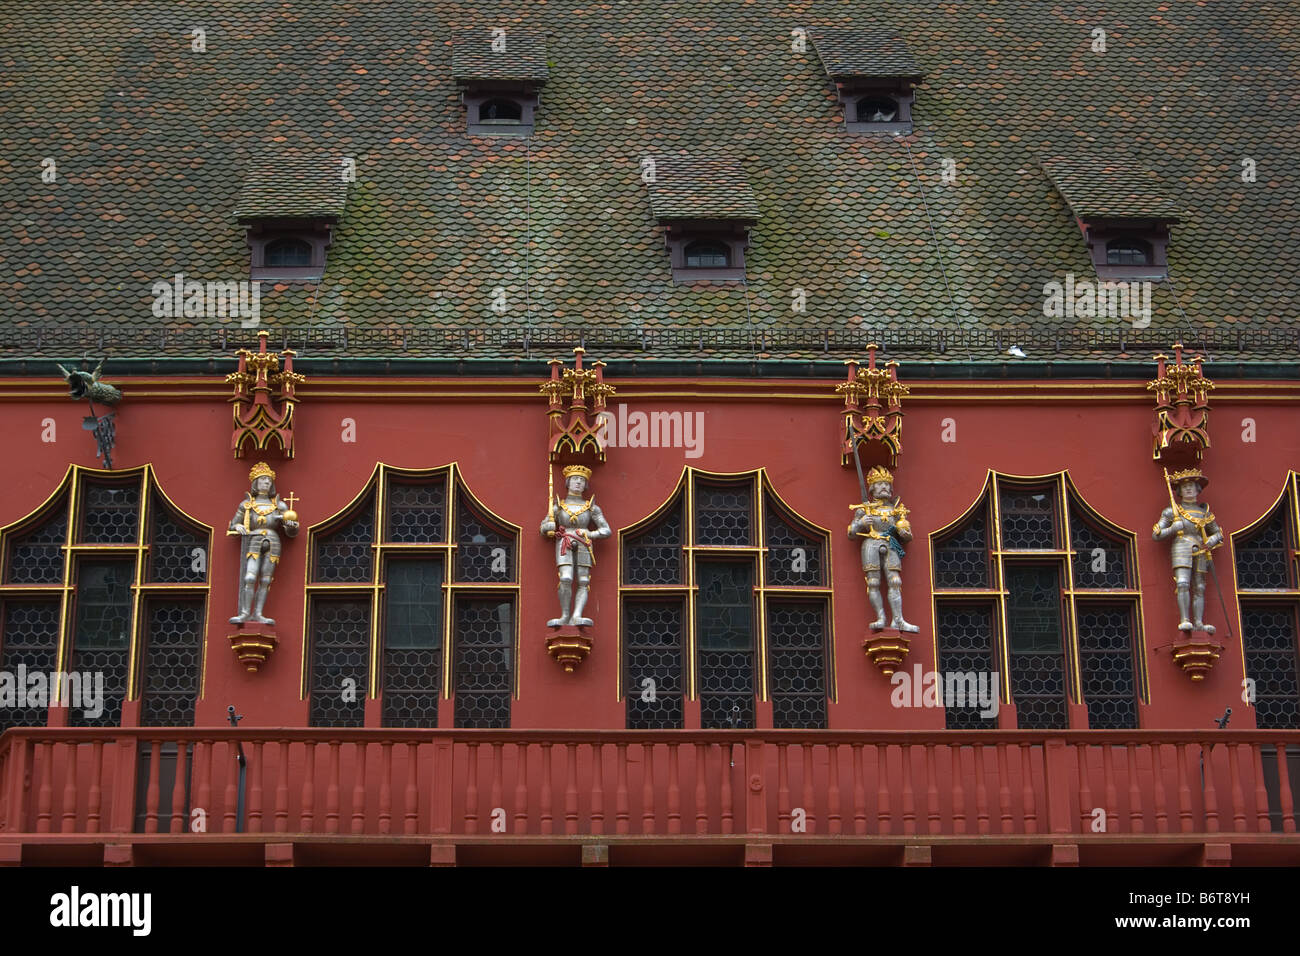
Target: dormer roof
column 522, row 59
column 866, row 53
column 694, row 187
column 292, row 185
column 1097, row 188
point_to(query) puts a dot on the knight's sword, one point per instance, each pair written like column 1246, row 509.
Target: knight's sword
column 857, row 461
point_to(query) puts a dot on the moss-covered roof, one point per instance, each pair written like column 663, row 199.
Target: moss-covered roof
column 485, row 247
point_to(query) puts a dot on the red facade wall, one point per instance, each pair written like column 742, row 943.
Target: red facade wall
column 500, row 447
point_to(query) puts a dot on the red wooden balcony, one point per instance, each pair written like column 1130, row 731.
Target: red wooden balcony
column 148, row 795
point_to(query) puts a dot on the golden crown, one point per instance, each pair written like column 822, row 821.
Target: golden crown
column 577, row 470
column 1188, row 474
column 879, row 473
column 261, row 470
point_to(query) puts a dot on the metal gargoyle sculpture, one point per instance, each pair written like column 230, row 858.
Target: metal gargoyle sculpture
column 87, row 385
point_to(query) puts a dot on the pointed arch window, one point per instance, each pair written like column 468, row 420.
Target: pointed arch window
column 412, row 596
column 1268, row 594
column 107, row 580
column 1033, row 585
column 724, row 599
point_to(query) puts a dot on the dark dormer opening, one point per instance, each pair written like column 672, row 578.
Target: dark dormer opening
column 500, row 72
column 874, row 77
column 501, row 110
column 287, row 249
column 1128, row 252
column 288, row 253
column 876, row 109
column 707, row 254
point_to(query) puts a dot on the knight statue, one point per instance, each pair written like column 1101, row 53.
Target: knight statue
column 260, row 517
column 882, row 525
column 574, row 522
column 1195, row 534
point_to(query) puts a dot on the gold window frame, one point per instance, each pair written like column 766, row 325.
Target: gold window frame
column 69, row 494
column 762, row 491
column 1067, row 498
column 377, row 484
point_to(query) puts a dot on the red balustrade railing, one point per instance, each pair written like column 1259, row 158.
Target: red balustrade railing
column 153, row 780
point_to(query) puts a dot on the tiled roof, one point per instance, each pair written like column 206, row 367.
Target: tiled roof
column 697, row 187
column 864, row 52
column 290, row 185
column 1109, row 188
column 498, row 240
column 522, row 57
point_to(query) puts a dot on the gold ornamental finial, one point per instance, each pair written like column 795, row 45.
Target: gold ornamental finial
column 260, row 470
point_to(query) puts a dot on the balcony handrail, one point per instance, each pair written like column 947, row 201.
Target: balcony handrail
column 479, row 735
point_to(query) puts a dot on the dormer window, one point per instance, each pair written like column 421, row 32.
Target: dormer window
column 288, row 253
column 1124, row 212
column 500, row 73
column 289, row 205
column 874, row 76
column 1128, row 252
column 706, row 254
column 876, row 109
column 706, row 208
column 501, row 110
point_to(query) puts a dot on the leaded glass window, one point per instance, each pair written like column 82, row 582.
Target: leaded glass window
column 110, row 513
column 1264, row 559
column 1046, row 620
column 177, row 553
column 1029, row 519
column 1106, row 664
column 1265, row 562
column 288, row 253
column 961, row 560
column 654, row 556
column 1099, row 560
column 484, row 660
column 412, row 642
column 965, row 639
column 796, row 636
column 724, row 514
column 794, row 559
column 416, row 511
column 340, row 659
column 725, row 621
column 173, row 655
column 106, row 627
column 653, row 637
column 37, row 556
column 1269, row 638
column 29, row 644
column 347, row 554
column 414, row 558
column 102, row 636
column 1035, row 644
column 757, row 578
column 484, row 552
